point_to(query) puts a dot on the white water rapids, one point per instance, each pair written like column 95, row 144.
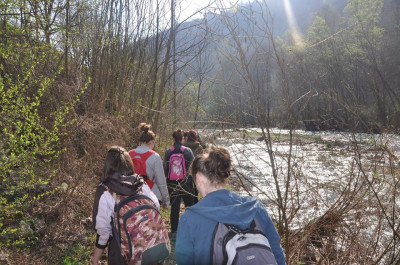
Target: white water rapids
column 323, row 166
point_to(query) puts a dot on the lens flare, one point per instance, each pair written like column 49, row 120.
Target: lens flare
column 293, row 24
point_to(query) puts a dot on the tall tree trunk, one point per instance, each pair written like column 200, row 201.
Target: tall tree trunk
column 155, row 63
column 66, row 37
column 197, row 104
column 162, row 84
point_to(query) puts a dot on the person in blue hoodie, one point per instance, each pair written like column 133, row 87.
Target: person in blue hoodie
column 211, row 171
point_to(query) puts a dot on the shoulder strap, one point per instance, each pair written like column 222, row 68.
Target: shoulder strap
column 113, row 194
column 139, row 161
column 146, row 155
column 105, row 186
column 182, row 148
column 132, row 152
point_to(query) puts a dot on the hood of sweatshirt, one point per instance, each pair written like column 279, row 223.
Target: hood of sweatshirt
column 192, row 145
column 124, row 185
column 227, row 207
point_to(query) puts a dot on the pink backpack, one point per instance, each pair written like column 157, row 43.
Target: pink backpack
column 177, row 167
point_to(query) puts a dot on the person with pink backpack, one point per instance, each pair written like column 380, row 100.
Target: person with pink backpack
column 176, row 163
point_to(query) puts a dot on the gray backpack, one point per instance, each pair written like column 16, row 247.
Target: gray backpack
column 232, row 245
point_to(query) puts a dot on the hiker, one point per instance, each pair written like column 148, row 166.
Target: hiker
column 118, row 179
column 200, row 140
column 198, row 240
column 177, row 161
column 148, row 164
column 191, row 140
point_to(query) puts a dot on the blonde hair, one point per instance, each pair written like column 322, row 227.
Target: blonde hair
column 147, row 135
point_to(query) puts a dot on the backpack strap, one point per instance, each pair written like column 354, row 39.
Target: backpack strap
column 172, row 148
column 142, row 161
column 106, row 187
column 113, row 194
column 237, row 230
column 143, row 156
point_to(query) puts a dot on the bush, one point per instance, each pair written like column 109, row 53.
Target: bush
column 29, row 141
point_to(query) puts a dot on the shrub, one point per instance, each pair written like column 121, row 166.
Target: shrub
column 29, row 140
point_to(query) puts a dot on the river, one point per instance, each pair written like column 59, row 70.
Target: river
column 356, row 174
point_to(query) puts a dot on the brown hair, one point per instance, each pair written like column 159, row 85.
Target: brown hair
column 215, row 164
column 178, row 135
column 147, row 135
column 117, row 161
column 192, row 136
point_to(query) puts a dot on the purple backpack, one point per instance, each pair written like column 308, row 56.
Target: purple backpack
column 177, row 167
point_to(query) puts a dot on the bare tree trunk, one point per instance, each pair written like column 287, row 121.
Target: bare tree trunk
column 162, row 84
column 67, row 29
column 197, row 104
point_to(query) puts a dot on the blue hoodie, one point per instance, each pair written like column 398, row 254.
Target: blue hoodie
column 196, row 226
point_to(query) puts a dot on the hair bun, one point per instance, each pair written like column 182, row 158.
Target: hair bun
column 220, row 159
column 215, row 164
column 144, row 127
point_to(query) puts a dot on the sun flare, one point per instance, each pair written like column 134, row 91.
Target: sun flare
column 293, row 24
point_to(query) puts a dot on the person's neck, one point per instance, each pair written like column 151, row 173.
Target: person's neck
column 213, row 188
column 146, row 144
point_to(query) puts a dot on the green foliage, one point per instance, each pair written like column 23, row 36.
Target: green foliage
column 77, row 254
column 342, row 63
column 328, row 144
column 364, row 17
column 29, row 140
column 318, row 30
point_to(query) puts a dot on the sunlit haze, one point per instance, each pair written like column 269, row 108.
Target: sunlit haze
column 292, row 24
column 189, row 7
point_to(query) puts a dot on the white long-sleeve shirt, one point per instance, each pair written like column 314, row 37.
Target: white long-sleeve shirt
column 106, row 211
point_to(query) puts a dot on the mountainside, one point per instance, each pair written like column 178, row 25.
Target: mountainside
column 232, row 36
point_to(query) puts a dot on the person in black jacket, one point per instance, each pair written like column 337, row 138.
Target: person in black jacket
column 178, row 189
column 191, row 140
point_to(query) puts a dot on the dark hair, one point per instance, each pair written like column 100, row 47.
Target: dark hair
column 178, row 135
column 117, row 161
column 192, row 136
column 215, row 164
column 147, row 134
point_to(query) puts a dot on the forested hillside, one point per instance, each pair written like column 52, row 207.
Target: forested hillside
column 329, row 60
column 77, row 76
